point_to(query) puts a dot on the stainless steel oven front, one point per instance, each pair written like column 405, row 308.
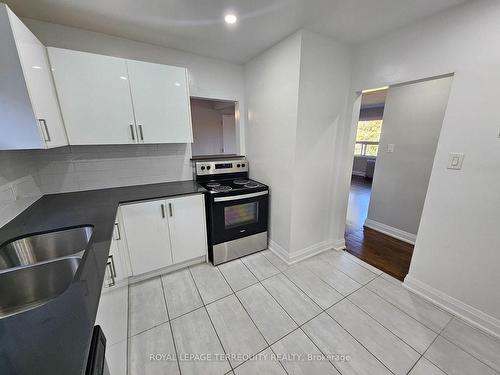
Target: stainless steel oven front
column 238, row 225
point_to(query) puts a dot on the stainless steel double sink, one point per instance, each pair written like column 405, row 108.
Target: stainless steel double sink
column 37, row 268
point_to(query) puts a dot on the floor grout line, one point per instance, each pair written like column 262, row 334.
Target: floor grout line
column 322, row 310
column 388, row 329
column 465, row 351
column 423, row 354
column 170, row 324
column 299, row 326
column 209, row 318
column 399, row 308
column 241, row 303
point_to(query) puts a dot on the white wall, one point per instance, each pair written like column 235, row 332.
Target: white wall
column 18, row 188
column 208, row 78
column 297, row 95
column 272, row 90
column 457, row 253
column 207, row 128
column 413, row 118
column 323, row 94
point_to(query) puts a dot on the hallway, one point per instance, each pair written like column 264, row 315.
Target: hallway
column 381, row 251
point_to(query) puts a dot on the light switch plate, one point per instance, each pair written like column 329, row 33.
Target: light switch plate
column 390, row 147
column 456, row 160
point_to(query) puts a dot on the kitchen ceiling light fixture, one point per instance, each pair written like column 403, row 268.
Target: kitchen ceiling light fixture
column 230, row 19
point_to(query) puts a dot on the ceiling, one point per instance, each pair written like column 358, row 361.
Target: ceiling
column 197, row 25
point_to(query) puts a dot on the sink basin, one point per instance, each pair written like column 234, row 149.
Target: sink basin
column 29, row 287
column 43, row 247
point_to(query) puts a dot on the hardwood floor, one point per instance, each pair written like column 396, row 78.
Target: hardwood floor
column 381, row 251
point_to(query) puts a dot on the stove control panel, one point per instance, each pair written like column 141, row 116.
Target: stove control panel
column 220, row 167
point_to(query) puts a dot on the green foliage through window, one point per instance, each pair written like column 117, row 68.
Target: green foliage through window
column 369, row 131
column 368, row 137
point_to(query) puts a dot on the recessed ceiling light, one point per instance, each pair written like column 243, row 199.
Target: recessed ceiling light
column 230, row 19
column 36, row 67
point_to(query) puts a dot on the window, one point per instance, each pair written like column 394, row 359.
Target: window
column 367, row 138
column 241, row 214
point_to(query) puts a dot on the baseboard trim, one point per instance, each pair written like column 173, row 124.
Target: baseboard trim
column 302, row 254
column 168, row 269
column 277, row 250
column 391, row 231
column 339, row 244
column 466, row 312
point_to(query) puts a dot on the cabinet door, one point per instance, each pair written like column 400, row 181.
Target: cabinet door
column 186, row 220
column 112, row 316
column 46, row 128
column 94, row 95
column 116, row 270
column 161, row 102
column 148, row 240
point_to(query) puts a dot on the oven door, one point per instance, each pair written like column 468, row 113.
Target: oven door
column 239, row 216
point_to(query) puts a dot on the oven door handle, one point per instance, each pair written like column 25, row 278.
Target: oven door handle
column 240, row 197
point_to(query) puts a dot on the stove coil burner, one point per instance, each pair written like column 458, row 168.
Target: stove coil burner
column 251, row 184
column 222, row 188
column 212, row 184
column 241, row 182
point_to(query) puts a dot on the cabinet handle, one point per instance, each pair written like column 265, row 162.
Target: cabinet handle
column 132, row 131
column 163, row 210
column 46, row 135
column 117, row 233
column 170, row 209
column 112, row 271
column 141, row 133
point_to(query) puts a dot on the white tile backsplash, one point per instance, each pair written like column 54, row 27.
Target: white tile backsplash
column 95, row 167
column 26, row 175
column 18, row 187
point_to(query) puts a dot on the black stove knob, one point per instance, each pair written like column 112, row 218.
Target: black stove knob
column 208, row 167
column 237, row 165
column 202, row 167
column 243, row 165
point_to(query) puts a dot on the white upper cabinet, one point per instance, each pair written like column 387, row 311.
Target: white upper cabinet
column 95, row 98
column 29, row 110
column 109, row 100
column 161, row 102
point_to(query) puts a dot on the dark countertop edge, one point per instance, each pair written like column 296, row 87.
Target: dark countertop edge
column 96, row 207
column 217, row 157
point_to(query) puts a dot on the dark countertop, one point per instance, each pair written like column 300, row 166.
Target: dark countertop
column 217, row 157
column 54, row 338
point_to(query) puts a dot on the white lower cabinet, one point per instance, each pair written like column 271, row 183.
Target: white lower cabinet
column 186, row 222
column 112, row 316
column 118, row 267
column 148, row 238
column 164, row 232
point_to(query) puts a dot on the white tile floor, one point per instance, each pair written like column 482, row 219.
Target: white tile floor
column 327, row 315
